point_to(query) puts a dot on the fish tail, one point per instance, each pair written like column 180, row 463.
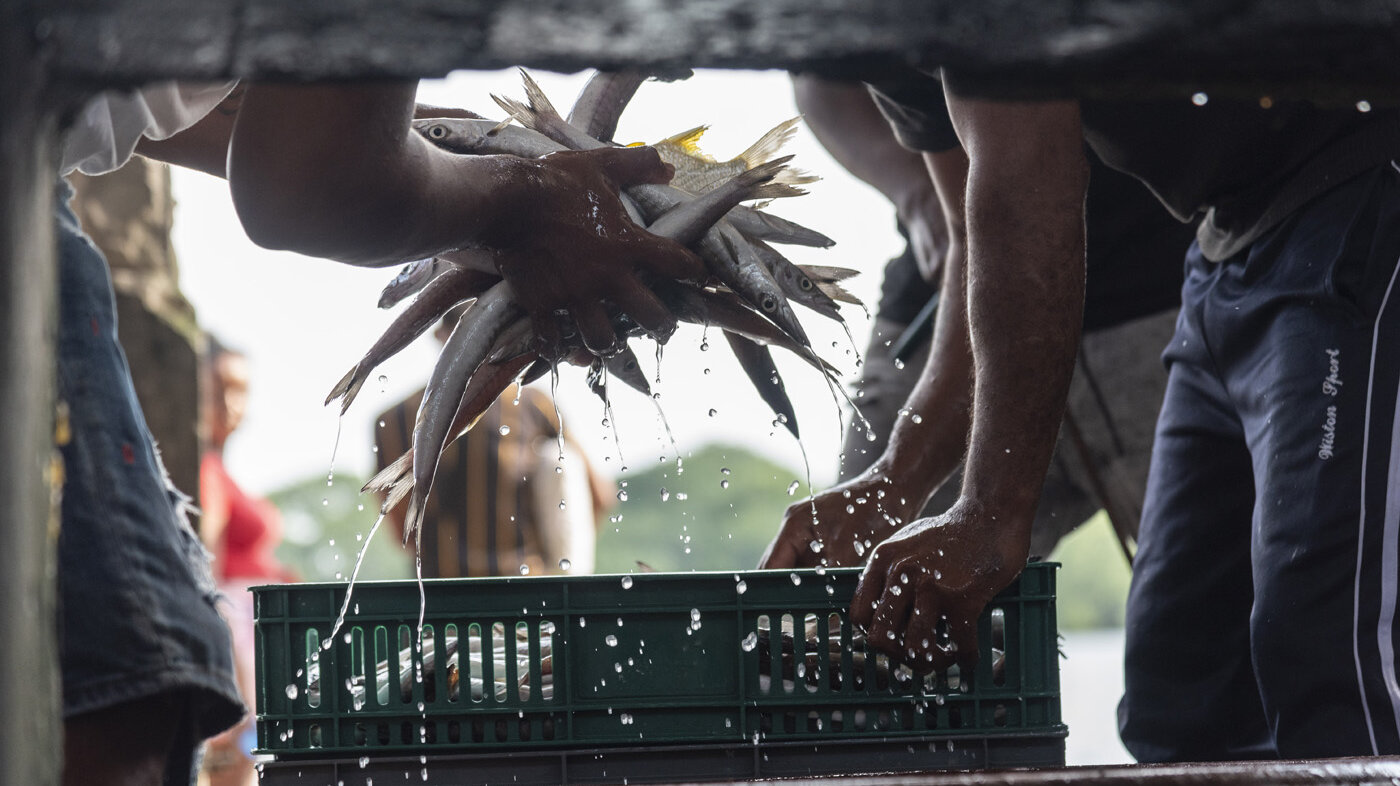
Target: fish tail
column 539, row 102
column 411, row 519
column 387, row 478
column 516, row 111
column 827, row 273
column 796, row 177
column 346, row 389
column 770, row 143
column 837, row 292
column 688, row 142
column 776, row 190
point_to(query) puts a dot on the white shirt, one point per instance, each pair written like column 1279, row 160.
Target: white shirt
column 105, row 132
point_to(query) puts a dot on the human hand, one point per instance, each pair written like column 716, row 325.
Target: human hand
column 840, row 526
column 567, row 247
column 921, row 595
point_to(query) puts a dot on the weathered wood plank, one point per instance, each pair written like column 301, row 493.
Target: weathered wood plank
column 29, row 746
column 1253, row 44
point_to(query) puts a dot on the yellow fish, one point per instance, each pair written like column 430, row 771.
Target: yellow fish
column 698, row 173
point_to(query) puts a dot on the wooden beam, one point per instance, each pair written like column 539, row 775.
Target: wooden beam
column 1346, row 50
column 29, row 694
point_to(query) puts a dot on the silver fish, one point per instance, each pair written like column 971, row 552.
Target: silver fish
column 466, row 349
column 454, row 285
column 409, row 281
column 795, row 283
column 757, row 362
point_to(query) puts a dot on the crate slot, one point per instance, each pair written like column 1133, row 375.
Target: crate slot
column 453, row 673
column 429, row 668
column 998, row 625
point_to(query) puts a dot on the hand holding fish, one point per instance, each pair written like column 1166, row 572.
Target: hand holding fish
column 573, row 248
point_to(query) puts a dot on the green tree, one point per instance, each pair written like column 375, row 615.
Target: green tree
column 324, row 528
column 717, row 512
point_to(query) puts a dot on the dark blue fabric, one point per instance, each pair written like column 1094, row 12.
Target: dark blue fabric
column 1250, row 633
column 137, row 601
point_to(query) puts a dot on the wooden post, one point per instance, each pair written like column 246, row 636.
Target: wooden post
column 29, row 695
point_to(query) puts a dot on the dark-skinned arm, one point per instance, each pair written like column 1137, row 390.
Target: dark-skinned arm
column 336, row 171
column 1025, row 289
column 923, row 451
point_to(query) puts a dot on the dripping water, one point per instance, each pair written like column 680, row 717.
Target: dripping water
column 354, row 574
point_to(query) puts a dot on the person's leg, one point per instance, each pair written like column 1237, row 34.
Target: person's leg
column 126, row 744
column 1190, row 689
column 137, row 623
column 1315, row 372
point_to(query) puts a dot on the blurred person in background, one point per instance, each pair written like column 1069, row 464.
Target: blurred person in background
column 503, row 502
column 242, row 532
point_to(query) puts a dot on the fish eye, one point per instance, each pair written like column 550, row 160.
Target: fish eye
column 437, row 132
column 769, row 304
column 805, row 284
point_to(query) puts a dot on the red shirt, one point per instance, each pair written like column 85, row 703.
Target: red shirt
column 252, row 527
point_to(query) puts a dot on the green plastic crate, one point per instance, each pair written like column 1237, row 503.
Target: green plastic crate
column 729, row 661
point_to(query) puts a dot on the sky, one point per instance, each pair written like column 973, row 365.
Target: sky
column 303, row 322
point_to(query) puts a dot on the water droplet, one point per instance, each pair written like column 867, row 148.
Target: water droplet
column 622, row 495
column 741, row 587
column 896, row 591
column 565, row 564
column 1200, row 99
column 889, row 634
column 524, row 570
column 504, row 429
column 582, row 623
column 665, row 495
column 830, row 590
column 899, row 364
column 937, row 574
column 724, row 470
column 916, row 418
column 750, row 641
column 792, row 488
column 383, row 378
column 611, row 640
column 816, row 546
column 724, row 484
column 704, row 346
column 1363, row 106
column 325, row 501
column 364, row 762
column 291, row 691
column 627, row 582
column 796, row 579
column 682, row 496
column 713, row 412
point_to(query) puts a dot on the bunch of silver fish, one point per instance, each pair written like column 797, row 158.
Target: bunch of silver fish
column 748, row 294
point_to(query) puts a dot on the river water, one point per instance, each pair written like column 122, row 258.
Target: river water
column 1091, row 682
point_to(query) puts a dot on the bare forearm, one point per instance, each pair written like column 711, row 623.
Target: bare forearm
column 928, row 445
column 1025, row 303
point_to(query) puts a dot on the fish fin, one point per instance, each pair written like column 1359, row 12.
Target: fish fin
column 538, row 100
column 828, row 273
column 688, row 142
column 501, row 126
column 412, row 517
column 770, row 143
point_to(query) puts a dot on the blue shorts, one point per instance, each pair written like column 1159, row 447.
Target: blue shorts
column 1262, row 615
column 136, row 598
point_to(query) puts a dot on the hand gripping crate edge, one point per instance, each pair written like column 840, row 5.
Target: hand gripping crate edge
column 761, row 669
